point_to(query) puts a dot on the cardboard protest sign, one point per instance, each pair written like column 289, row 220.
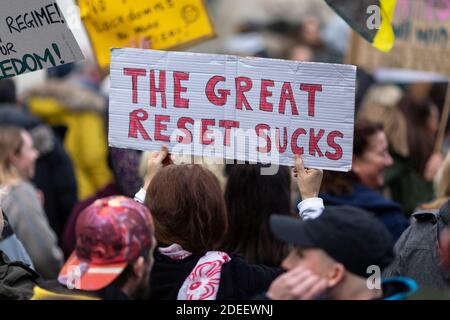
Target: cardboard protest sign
column 167, row 23
column 422, row 31
column 230, row 107
column 34, row 36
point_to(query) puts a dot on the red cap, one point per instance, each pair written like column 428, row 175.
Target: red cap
column 110, row 233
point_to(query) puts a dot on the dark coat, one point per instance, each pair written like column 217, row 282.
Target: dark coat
column 389, row 212
column 239, row 280
column 17, row 280
column 417, row 251
column 406, row 185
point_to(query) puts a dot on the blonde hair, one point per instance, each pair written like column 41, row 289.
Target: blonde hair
column 441, row 186
column 442, row 179
column 11, row 142
column 381, row 106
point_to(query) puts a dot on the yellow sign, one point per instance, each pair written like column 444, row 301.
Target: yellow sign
column 166, row 23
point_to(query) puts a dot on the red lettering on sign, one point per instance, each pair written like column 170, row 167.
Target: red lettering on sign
column 160, row 126
column 218, row 100
column 161, row 89
column 294, row 145
column 311, row 89
column 134, row 73
column 205, row 131
column 240, row 90
column 178, row 101
column 136, row 126
column 260, row 128
column 314, row 142
column 287, row 95
column 228, row 125
column 338, row 149
column 265, row 93
column 182, row 126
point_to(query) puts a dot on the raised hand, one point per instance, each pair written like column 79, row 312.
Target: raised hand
column 308, row 180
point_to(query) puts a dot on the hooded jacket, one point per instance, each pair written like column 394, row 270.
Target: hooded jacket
column 365, row 198
column 417, row 251
column 81, row 111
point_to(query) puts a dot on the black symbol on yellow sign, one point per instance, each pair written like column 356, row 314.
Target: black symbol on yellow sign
column 190, row 13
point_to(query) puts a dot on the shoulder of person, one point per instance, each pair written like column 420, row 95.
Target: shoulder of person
column 434, row 216
column 444, row 213
column 23, row 187
column 430, row 216
column 22, row 191
column 247, row 270
column 241, row 280
column 421, row 234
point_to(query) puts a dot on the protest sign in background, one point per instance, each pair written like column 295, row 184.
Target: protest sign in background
column 422, row 31
column 235, row 108
column 34, row 36
column 167, row 23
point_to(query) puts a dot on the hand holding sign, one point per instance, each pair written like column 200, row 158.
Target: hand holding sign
column 308, row 180
column 156, row 161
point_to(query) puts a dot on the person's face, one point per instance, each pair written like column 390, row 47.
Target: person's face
column 317, row 261
column 24, row 161
column 311, row 31
column 301, row 53
column 370, row 166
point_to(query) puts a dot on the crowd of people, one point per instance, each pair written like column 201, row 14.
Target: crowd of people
column 81, row 220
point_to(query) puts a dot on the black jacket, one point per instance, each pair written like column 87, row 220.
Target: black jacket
column 54, row 174
column 239, row 280
column 17, row 280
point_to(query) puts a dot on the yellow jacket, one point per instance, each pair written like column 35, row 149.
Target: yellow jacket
column 80, row 111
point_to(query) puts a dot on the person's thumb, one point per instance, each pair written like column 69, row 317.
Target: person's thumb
column 299, row 165
column 162, row 154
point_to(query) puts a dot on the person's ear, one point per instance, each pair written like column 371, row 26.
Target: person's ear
column 335, row 275
column 13, row 159
column 444, row 245
column 139, row 268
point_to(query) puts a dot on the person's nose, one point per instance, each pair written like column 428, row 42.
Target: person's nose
column 388, row 161
column 36, row 154
column 287, row 263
